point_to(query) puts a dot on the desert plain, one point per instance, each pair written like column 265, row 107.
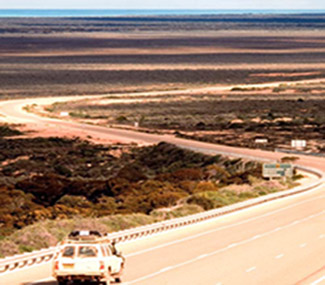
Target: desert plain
column 239, row 79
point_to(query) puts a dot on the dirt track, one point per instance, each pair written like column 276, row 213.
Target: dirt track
column 12, row 112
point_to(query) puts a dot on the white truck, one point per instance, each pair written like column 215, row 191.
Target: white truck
column 87, row 256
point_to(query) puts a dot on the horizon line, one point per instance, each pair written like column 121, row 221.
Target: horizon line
column 167, row 9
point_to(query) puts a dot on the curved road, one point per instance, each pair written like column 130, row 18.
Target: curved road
column 279, row 242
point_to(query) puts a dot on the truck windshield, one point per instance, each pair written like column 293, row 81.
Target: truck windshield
column 87, row 251
column 68, row 251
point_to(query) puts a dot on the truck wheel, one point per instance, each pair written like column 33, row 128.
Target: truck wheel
column 109, row 278
column 118, row 280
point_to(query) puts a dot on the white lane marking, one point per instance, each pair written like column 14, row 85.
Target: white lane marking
column 251, row 269
column 318, row 280
column 166, row 269
column 159, row 272
column 256, row 237
column 224, row 249
column 41, row 281
column 305, row 219
column 322, row 236
column 303, row 245
column 279, row 256
column 224, row 227
column 202, row 256
column 295, row 223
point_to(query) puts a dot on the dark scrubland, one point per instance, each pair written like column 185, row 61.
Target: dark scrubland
column 234, row 119
column 162, row 77
column 8, row 131
column 56, row 82
column 49, row 186
column 199, row 58
column 73, row 56
column 48, row 177
column 278, row 121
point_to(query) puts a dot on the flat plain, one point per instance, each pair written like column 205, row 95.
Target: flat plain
column 73, row 56
column 121, row 56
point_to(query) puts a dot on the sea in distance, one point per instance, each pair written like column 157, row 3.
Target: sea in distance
column 8, row 13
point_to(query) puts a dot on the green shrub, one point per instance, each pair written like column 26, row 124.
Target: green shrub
column 289, row 159
column 80, row 115
column 8, row 248
column 297, row 177
column 203, row 202
column 184, row 210
column 121, row 119
column 247, row 195
column 6, row 131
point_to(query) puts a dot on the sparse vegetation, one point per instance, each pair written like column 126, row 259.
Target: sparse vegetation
column 50, row 186
column 7, row 131
column 47, row 233
column 291, row 159
column 238, row 120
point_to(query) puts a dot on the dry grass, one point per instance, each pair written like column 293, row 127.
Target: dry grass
column 49, row 233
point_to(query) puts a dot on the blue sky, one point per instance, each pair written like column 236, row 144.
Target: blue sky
column 162, row 4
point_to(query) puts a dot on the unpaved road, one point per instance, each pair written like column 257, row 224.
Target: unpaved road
column 11, row 111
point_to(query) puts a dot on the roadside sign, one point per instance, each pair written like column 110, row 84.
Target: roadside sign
column 298, row 143
column 64, row 114
column 277, row 170
column 261, row 141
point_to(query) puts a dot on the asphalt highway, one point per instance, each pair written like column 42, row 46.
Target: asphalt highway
column 279, row 242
